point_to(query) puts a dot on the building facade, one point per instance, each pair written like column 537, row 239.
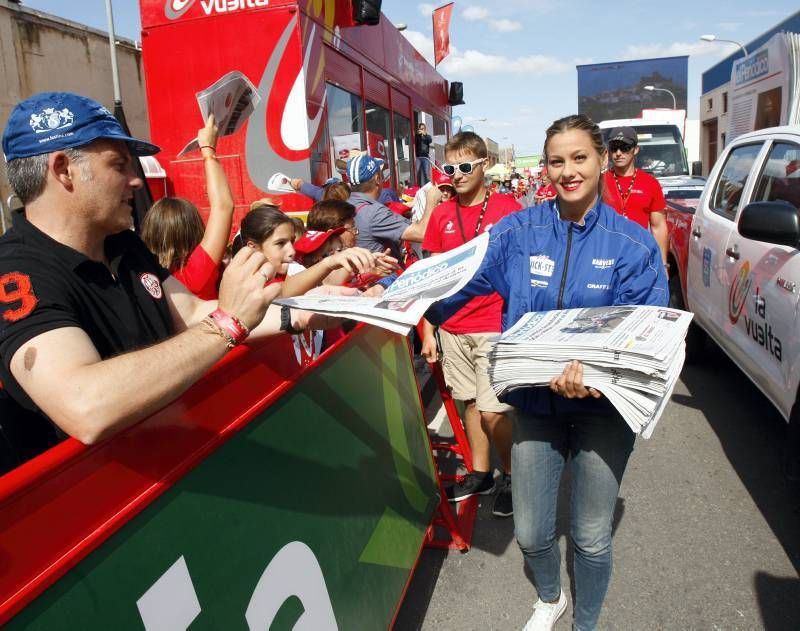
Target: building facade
column 714, row 105
column 42, row 52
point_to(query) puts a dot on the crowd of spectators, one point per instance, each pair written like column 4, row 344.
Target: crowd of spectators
column 102, row 326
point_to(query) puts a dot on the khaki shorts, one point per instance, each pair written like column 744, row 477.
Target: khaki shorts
column 466, row 369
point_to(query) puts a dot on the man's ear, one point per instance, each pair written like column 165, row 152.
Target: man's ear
column 61, row 168
column 636, row 151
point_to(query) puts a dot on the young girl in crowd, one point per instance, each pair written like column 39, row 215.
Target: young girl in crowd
column 173, row 229
column 268, row 229
column 542, row 258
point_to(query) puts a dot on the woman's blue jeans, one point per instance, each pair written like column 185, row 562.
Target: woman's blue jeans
column 598, row 448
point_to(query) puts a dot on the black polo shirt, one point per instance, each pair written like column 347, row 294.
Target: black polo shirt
column 45, row 285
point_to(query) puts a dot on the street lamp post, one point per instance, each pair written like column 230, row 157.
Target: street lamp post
column 714, row 38
column 652, row 88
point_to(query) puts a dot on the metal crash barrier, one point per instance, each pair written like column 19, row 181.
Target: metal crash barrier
column 260, row 496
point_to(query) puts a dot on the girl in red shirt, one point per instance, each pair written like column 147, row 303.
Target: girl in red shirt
column 173, row 229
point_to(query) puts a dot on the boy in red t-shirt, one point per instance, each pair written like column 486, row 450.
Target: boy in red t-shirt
column 465, row 336
column 632, row 192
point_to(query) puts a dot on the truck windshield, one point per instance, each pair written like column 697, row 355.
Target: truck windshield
column 660, row 150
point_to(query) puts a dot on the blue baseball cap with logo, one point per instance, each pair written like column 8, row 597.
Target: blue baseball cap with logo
column 363, row 168
column 51, row 121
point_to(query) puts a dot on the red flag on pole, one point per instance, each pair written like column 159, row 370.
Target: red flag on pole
column 441, row 32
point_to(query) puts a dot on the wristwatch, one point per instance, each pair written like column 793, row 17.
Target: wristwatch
column 286, row 321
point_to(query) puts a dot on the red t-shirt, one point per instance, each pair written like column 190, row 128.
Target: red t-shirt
column 200, row 275
column 548, row 191
column 645, row 196
column 482, row 314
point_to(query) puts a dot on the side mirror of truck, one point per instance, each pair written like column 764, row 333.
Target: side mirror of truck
column 771, row 222
column 697, row 167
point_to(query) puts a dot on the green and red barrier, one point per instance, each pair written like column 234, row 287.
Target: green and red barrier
column 257, row 499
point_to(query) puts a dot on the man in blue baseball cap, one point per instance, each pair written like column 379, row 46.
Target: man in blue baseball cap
column 94, row 334
column 51, row 121
column 378, row 227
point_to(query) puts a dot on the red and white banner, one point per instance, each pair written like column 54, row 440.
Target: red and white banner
column 441, row 32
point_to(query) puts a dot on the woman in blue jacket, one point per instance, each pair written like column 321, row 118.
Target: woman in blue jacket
column 573, row 251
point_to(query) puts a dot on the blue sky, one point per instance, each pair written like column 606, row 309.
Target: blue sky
column 517, row 57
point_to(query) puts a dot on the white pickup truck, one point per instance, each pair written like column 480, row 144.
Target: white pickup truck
column 735, row 263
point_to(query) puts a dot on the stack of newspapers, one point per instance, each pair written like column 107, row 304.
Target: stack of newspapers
column 631, row 354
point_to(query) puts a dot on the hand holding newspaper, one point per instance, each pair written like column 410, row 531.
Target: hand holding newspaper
column 280, row 183
column 232, row 99
column 632, row 354
column 410, row 296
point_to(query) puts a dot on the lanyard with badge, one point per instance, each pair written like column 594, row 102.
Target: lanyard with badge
column 624, row 196
column 480, row 218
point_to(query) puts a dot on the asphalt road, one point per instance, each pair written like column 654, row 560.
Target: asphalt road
column 707, row 532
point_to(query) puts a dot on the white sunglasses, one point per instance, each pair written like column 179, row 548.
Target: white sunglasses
column 464, row 167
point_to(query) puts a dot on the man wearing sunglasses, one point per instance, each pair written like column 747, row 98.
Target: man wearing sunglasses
column 465, row 337
column 633, row 192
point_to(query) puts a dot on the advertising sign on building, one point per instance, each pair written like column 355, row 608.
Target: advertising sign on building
column 764, row 92
column 527, row 162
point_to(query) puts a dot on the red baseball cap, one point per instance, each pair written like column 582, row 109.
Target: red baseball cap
column 398, row 207
column 313, row 240
column 441, row 179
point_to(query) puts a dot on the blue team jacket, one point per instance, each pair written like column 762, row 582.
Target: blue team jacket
column 537, row 262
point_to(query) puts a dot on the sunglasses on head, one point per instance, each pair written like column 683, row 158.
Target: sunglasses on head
column 624, row 147
column 464, row 167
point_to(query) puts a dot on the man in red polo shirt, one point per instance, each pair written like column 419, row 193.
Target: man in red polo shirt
column 632, row 192
column 465, row 336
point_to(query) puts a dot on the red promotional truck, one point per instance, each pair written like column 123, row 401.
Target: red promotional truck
column 275, row 493
column 327, row 85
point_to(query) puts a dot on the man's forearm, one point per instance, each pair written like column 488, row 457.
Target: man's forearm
column 660, row 232
column 127, row 388
column 110, row 395
column 416, row 231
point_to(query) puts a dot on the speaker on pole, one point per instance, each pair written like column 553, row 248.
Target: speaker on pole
column 456, row 93
column 367, row 12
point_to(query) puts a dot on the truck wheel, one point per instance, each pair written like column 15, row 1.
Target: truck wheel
column 695, row 336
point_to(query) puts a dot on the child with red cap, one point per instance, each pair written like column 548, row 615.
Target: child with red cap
column 316, row 245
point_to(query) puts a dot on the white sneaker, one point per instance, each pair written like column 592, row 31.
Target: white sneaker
column 545, row 614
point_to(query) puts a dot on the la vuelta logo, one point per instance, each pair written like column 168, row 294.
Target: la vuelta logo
column 174, row 9
column 740, row 287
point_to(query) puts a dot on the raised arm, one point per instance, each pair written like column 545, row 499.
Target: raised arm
column 218, row 228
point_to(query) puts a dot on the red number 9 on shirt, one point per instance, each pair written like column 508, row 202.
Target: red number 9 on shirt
column 15, row 287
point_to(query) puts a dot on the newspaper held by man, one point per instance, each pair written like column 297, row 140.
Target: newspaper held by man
column 406, row 300
column 632, row 354
column 231, row 99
